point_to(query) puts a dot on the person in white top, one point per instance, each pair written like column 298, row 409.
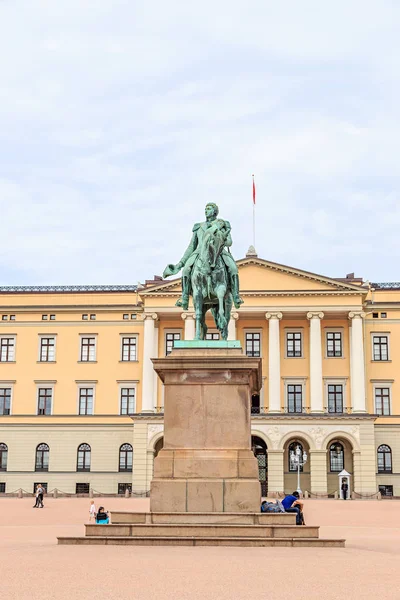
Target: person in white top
column 92, row 511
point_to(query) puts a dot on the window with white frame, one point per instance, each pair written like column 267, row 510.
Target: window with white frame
column 170, row 338
column 334, row 344
column 7, row 348
column 128, row 400
column 213, row 335
column 382, row 399
column 45, row 400
column 334, row 391
column 5, row 400
column 47, row 351
column 86, row 397
column 88, row 349
column 253, row 343
column 380, row 347
column 128, row 348
column 294, row 344
column 294, row 397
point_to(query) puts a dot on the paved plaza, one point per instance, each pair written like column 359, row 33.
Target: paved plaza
column 34, row 567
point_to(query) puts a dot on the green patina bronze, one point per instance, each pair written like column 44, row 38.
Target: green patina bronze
column 210, row 274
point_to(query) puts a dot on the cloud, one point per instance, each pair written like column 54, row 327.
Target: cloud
column 120, row 120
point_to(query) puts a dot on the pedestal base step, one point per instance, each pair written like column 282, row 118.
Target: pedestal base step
column 206, row 541
column 188, row 518
column 203, row 531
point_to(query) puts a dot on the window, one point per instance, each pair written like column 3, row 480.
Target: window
column 380, row 347
column 386, row 490
column 7, row 349
column 212, row 336
column 375, row 315
column 334, row 344
column 83, row 463
column 293, row 344
column 44, row 317
column 3, row 457
column 85, row 401
column 128, row 400
column 336, row 457
column 45, row 396
column 383, row 315
column 133, row 316
column 92, row 317
column 384, row 459
column 125, row 457
column 4, row 317
column 2, row 488
column 47, row 349
column 88, row 349
column 44, row 486
column 52, row 317
column 293, row 448
column 382, row 401
column 335, row 398
column 294, row 398
column 122, row 487
column 12, row 317
column 125, row 317
column 5, row 401
column 42, row 458
column 82, row 488
column 255, row 404
column 253, row 344
column 129, row 348
column 170, row 338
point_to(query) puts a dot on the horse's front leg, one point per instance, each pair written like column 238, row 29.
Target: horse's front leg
column 222, row 321
column 198, row 305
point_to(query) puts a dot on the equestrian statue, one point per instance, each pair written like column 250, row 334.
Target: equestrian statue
column 209, row 274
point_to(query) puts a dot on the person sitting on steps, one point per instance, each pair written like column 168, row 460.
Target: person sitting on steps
column 292, row 504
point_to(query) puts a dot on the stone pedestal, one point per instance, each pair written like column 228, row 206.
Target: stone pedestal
column 207, row 464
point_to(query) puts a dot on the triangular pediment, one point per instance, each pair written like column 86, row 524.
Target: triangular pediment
column 259, row 276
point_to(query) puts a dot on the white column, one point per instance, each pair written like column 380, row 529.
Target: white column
column 232, row 333
column 155, row 376
column 190, row 323
column 148, row 354
column 357, row 384
column 274, row 361
column 316, row 384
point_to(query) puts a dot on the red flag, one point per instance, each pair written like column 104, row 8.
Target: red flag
column 254, row 191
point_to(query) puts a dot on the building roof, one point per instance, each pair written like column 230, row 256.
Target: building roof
column 54, row 289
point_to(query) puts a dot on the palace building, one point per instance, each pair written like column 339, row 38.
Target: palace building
column 81, row 407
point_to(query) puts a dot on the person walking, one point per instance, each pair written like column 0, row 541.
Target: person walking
column 40, row 493
column 92, row 511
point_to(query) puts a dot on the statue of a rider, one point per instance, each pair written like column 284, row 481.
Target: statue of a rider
column 221, row 230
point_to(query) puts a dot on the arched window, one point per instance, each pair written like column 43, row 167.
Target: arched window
column 125, row 457
column 336, row 457
column 293, row 448
column 42, row 458
column 384, row 459
column 3, row 457
column 84, row 452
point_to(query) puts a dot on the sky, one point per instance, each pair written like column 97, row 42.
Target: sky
column 121, row 119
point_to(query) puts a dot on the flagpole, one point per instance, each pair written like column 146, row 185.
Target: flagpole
column 254, row 213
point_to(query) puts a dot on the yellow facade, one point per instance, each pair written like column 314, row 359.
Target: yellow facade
column 281, row 304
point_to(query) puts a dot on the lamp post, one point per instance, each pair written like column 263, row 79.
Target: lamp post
column 297, row 459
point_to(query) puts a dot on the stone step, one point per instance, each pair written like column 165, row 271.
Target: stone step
column 206, row 541
column 203, row 531
column 122, row 517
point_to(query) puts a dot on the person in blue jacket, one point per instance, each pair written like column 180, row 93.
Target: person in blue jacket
column 292, row 504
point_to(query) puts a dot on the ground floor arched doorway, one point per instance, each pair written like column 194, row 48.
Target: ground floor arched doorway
column 339, row 456
column 260, row 450
column 290, row 469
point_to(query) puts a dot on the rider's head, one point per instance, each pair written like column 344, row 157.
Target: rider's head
column 212, row 209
